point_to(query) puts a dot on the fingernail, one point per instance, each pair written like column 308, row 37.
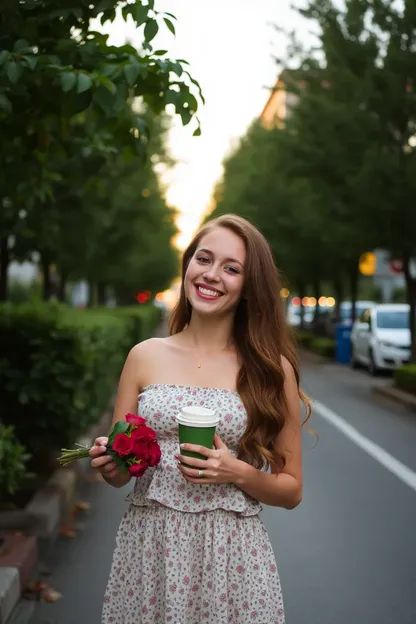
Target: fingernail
column 182, row 446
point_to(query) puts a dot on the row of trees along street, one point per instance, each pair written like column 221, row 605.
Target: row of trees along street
column 82, row 135
column 337, row 176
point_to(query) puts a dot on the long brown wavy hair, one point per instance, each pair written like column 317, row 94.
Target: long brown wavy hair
column 261, row 336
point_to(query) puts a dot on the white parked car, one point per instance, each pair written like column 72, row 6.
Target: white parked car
column 380, row 338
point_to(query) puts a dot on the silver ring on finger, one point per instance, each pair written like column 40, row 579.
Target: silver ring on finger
column 200, row 473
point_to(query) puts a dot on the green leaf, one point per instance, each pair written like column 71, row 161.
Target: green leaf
column 121, row 465
column 197, row 131
column 5, row 104
column 121, row 426
column 20, row 45
column 110, row 86
column 104, row 99
column 185, row 116
column 140, row 13
column 150, row 30
column 142, row 126
column 197, row 85
column 14, row 71
column 170, row 25
column 192, row 102
column 160, row 52
column 84, row 82
column 4, row 55
column 131, row 73
column 68, row 81
column 176, row 68
column 31, row 61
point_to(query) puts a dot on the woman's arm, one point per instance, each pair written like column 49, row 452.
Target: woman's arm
column 280, row 488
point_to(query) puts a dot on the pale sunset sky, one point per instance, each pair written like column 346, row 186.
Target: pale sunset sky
column 229, row 45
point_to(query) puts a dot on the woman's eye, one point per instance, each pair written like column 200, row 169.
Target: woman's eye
column 232, row 269
column 203, row 260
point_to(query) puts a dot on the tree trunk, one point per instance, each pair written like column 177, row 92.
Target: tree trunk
column 411, row 299
column 63, row 280
column 354, row 281
column 47, row 281
column 302, row 289
column 317, row 295
column 101, row 293
column 339, row 294
column 93, row 295
column 4, row 267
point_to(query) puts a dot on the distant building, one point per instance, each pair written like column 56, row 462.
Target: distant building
column 280, row 103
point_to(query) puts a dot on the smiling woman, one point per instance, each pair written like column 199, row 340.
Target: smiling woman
column 192, row 537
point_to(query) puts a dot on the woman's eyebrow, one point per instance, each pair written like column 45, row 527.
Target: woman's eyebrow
column 208, row 251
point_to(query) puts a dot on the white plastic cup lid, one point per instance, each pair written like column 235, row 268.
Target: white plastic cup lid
column 196, row 416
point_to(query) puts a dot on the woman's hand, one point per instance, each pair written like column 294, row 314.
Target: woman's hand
column 219, row 467
column 106, row 464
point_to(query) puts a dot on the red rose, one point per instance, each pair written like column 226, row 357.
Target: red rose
column 154, row 453
column 140, row 449
column 136, row 470
column 123, row 444
column 144, row 433
column 132, row 419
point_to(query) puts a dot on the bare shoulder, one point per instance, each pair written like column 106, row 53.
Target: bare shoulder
column 148, row 358
column 148, row 348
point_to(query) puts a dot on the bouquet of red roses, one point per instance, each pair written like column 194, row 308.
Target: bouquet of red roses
column 131, row 443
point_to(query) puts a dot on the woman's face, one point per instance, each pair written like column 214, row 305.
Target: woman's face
column 215, row 275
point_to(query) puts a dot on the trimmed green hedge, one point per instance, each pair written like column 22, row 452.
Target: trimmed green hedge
column 323, row 346
column 142, row 319
column 405, row 378
column 59, row 367
column 304, row 338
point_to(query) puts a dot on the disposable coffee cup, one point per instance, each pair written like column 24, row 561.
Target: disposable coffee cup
column 197, row 425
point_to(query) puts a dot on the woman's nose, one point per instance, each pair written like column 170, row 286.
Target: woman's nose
column 211, row 274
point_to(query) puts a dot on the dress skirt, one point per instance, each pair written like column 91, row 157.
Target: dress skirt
column 173, row 566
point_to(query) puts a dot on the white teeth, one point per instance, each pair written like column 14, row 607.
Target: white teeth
column 209, row 293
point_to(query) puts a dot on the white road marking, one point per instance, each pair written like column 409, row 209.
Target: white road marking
column 384, row 458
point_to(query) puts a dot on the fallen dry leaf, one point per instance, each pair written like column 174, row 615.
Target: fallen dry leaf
column 82, row 506
column 38, row 590
column 51, row 595
column 67, row 531
column 34, row 590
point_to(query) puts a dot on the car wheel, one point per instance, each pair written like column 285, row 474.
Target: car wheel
column 372, row 368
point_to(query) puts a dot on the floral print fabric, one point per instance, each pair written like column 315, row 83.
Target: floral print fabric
column 186, row 553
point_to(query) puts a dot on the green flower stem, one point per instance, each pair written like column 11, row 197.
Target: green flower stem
column 70, row 455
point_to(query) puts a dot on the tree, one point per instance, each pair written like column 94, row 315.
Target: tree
column 63, row 90
column 371, row 43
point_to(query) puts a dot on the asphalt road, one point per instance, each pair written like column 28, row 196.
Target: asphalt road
column 347, row 555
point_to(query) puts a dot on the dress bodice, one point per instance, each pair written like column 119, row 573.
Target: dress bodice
column 164, row 484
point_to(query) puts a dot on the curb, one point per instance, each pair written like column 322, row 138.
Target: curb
column 40, row 521
column 394, row 394
column 18, row 559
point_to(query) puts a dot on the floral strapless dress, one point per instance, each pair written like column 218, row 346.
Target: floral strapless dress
column 186, row 553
